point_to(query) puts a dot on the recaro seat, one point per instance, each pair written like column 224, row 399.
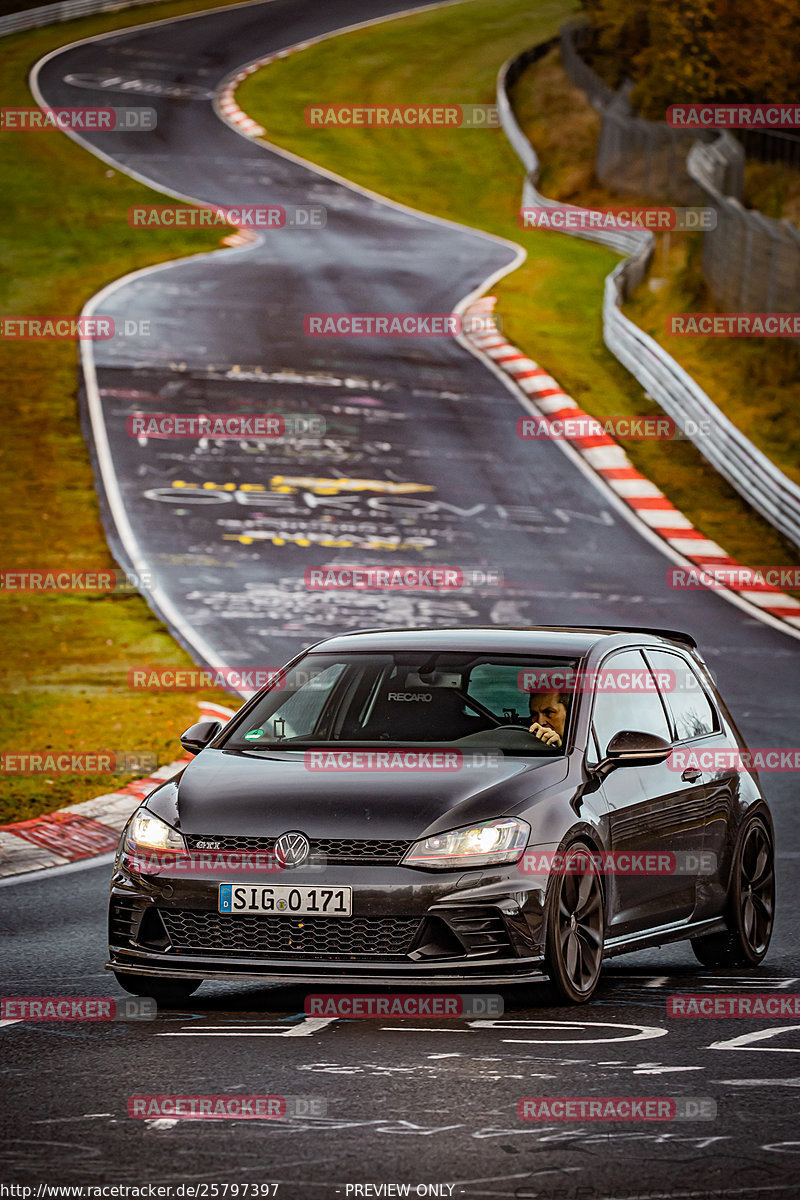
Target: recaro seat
column 422, row 715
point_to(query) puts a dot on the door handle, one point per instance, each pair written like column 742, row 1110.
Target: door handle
column 691, row 775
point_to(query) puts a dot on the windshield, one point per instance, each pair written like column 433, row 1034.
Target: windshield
column 412, row 698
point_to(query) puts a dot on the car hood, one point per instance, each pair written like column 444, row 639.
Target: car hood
column 245, row 793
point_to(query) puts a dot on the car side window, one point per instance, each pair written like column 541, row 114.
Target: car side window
column 692, row 712
column 627, row 698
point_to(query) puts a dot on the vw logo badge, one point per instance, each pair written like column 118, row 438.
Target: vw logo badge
column 292, row 848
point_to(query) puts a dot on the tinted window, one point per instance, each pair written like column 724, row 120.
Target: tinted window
column 511, row 690
column 410, row 696
column 689, row 705
column 497, row 688
column 633, row 703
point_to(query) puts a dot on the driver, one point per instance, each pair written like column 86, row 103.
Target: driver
column 549, row 717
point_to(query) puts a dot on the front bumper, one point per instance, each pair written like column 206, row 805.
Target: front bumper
column 407, row 927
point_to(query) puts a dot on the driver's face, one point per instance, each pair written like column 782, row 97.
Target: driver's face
column 547, row 709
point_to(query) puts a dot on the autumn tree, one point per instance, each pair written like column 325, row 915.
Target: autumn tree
column 680, row 51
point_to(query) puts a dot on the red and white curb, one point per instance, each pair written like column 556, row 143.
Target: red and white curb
column 608, row 459
column 242, row 237
column 225, row 102
column 239, row 119
column 230, row 109
column 86, row 829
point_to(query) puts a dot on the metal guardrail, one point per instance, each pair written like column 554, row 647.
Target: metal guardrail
column 743, row 465
column 750, row 262
column 632, row 242
column 54, row 14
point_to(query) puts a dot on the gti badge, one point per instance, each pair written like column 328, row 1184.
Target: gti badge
column 292, row 849
column 205, row 844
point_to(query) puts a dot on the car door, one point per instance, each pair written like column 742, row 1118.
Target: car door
column 651, row 809
column 697, row 727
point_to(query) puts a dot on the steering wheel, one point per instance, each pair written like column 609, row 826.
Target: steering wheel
column 520, row 737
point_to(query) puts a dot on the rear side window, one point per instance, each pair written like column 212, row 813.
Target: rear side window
column 631, row 702
column 692, row 712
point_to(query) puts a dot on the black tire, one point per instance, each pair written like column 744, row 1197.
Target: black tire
column 163, row 991
column 751, row 904
column 575, row 926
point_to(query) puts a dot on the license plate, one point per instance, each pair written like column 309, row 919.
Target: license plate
column 284, row 901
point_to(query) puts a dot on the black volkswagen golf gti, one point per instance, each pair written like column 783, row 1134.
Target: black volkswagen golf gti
column 446, row 807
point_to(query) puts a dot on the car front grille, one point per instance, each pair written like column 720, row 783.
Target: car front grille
column 337, row 851
column 310, row 938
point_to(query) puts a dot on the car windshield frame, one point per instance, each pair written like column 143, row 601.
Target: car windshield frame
column 344, row 691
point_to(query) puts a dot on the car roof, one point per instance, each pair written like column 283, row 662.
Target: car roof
column 523, row 639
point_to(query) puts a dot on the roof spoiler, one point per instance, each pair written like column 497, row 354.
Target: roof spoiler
column 675, row 635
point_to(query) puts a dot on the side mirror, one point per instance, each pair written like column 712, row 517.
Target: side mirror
column 626, row 749
column 197, row 736
column 629, row 748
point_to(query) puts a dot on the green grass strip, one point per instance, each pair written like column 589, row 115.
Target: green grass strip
column 65, row 661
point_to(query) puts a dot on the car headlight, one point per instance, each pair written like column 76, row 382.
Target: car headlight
column 500, row 841
column 148, row 832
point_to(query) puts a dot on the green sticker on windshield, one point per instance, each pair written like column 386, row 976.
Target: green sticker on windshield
column 253, row 735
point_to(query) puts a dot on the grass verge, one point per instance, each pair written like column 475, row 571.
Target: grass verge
column 63, row 675
column 551, row 306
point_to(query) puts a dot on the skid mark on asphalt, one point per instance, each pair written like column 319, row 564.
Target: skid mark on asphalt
column 418, row 1029
column 758, row 983
column 794, row 1081
column 651, row 993
column 60, row 1120
column 656, row 1069
column 465, row 1069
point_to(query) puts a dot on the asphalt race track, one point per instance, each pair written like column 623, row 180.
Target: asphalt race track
column 227, row 336
column 412, row 1101
column 407, row 1100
